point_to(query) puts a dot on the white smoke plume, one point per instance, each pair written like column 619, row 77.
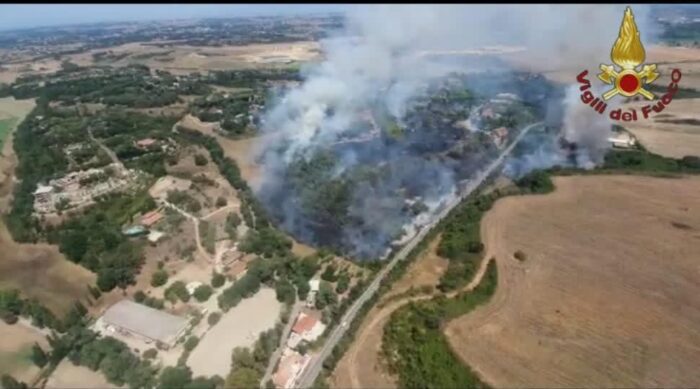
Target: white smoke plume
column 383, row 56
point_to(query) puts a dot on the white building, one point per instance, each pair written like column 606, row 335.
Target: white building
column 314, row 286
column 622, row 140
column 130, row 319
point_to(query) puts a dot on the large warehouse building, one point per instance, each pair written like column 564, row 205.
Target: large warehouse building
column 128, row 318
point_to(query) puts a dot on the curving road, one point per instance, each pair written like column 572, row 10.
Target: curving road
column 313, row 369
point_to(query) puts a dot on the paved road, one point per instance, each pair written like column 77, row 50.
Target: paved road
column 309, row 375
column 283, row 342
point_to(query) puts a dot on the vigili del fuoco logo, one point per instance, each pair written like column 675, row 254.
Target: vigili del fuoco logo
column 627, row 79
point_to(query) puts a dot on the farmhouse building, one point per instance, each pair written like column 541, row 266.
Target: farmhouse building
column 131, row 319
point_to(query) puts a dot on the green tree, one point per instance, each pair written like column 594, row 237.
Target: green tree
column 213, row 318
column 159, row 278
column 175, row 377
column 285, row 291
column 38, row 356
column 203, row 292
column 343, row 283
column 329, row 273
column 326, row 295
column 177, row 290
column 191, row 343
column 243, row 378
column 218, row 280
column 303, row 287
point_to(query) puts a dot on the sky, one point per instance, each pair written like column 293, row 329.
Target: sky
column 16, row 16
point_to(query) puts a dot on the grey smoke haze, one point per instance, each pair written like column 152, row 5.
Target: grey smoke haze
column 380, row 59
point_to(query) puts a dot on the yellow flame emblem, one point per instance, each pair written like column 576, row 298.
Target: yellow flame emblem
column 628, row 53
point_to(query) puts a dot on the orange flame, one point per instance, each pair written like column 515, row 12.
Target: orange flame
column 628, row 51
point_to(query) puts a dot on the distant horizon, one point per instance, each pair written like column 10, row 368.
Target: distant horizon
column 18, row 17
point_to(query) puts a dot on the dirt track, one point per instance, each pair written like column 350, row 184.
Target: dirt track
column 607, row 295
column 361, row 365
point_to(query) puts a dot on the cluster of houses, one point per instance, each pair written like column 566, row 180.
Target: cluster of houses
column 307, row 328
column 80, row 188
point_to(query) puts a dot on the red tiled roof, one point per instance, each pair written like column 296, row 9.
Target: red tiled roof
column 151, row 218
column 304, row 323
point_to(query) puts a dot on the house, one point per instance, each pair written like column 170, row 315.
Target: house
column 145, row 143
column 43, row 193
column 307, row 328
column 151, row 218
column 499, row 136
column 290, row 368
column 487, row 113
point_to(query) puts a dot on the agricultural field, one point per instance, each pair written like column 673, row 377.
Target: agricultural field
column 667, row 58
column 183, row 59
column 361, row 365
column 604, row 290
column 673, row 133
column 15, row 350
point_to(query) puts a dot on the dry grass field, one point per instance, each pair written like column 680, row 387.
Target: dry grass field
column 15, row 350
column 607, row 294
column 175, row 58
column 40, row 271
column 361, row 366
column 666, row 133
column 68, row 375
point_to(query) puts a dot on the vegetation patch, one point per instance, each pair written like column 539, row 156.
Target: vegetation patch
column 415, row 347
column 5, row 127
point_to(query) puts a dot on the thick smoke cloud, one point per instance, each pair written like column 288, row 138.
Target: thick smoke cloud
column 386, row 56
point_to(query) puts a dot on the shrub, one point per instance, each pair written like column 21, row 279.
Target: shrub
column 213, row 318
column 8, row 317
column 221, row 202
column 150, row 353
column 177, row 290
column 520, row 256
column 200, row 160
column 139, row 296
column 475, row 247
column 159, row 278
